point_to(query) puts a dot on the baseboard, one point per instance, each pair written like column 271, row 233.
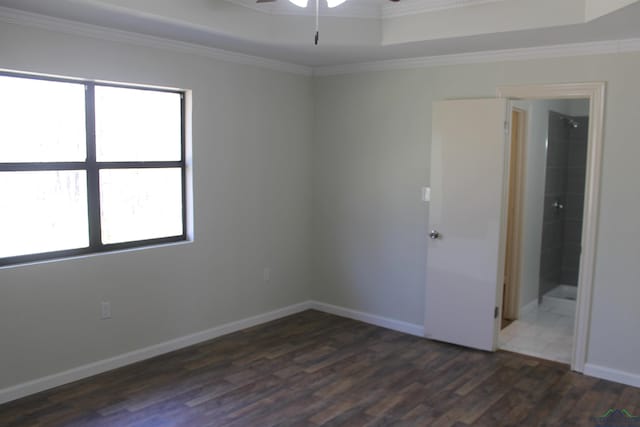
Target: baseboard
column 385, row 322
column 614, row 375
column 529, row 307
column 55, row 380
column 84, row 371
column 88, row 370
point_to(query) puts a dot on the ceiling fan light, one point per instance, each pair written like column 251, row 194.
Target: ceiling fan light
column 334, row 3
column 300, row 3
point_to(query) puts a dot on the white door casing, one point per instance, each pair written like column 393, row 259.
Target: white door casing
column 595, row 93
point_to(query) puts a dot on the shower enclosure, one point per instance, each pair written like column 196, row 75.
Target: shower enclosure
column 563, row 208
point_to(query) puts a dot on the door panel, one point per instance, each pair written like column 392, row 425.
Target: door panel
column 465, row 264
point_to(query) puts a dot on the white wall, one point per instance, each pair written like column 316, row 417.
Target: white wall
column 251, row 164
column 482, row 18
column 578, row 107
column 597, row 8
column 533, row 201
column 371, row 156
column 370, row 160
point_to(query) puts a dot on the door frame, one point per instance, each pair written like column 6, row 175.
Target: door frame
column 516, row 182
column 595, row 92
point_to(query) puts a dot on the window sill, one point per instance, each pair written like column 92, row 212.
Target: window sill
column 96, row 254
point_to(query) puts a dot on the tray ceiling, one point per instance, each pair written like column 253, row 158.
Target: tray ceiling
column 357, row 31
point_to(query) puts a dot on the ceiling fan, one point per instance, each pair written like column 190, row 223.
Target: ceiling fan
column 303, row 3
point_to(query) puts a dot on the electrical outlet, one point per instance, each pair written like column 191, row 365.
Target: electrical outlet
column 105, row 310
column 266, row 274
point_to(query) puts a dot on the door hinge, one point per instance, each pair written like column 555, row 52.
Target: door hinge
column 496, row 312
column 506, row 126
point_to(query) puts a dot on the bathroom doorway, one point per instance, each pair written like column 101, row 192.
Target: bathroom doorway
column 548, row 163
column 480, row 157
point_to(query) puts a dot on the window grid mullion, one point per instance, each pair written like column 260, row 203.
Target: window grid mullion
column 161, row 164
column 93, row 175
column 42, row 166
column 183, row 161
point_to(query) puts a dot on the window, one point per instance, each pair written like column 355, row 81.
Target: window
column 88, row 167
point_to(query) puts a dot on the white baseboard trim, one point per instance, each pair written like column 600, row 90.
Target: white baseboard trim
column 529, row 307
column 88, row 370
column 94, row 368
column 385, row 322
column 84, row 371
column 614, row 375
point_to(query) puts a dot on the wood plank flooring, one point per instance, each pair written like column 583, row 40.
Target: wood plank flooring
column 315, row 369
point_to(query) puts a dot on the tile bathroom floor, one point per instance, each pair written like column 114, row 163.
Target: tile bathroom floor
column 540, row 332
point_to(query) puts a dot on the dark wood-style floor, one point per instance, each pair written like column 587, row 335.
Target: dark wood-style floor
column 315, row 369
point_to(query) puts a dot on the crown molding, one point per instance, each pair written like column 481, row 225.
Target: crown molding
column 415, row 7
column 629, row 45
column 12, row 16
column 555, row 51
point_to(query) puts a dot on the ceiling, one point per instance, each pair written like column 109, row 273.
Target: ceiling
column 358, row 30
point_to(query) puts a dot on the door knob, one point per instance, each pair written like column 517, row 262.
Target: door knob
column 435, row 235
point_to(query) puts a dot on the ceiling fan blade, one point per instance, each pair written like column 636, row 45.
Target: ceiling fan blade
column 265, row 1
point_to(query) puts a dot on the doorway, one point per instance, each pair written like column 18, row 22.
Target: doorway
column 469, row 178
column 594, row 92
column 548, row 154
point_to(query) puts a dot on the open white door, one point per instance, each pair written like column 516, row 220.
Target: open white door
column 465, row 260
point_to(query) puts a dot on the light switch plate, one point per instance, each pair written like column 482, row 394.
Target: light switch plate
column 105, row 308
column 426, row 194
